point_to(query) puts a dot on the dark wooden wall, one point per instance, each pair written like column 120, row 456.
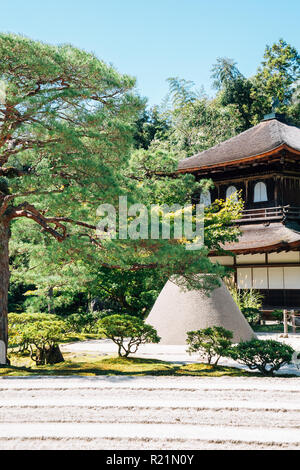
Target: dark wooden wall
column 281, row 190
column 280, row 298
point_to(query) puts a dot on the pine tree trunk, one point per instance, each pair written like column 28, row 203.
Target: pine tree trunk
column 48, row 355
column 51, row 308
column 4, row 281
column 54, row 355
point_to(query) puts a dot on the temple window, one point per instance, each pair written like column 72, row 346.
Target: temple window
column 205, row 198
column 260, row 192
column 231, row 190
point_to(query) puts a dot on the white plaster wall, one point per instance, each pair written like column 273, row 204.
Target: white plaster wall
column 244, row 278
column 288, row 257
column 292, row 278
column 260, row 278
column 276, row 278
column 251, row 259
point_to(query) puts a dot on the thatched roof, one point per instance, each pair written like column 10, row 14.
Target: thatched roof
column 267, row 137
column 177, row 311
column 262, row 238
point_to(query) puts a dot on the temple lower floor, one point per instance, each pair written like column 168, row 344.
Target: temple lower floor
column 275, row 275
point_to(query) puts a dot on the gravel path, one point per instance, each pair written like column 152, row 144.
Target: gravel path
column 149, row 413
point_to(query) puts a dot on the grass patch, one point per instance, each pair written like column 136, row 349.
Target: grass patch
column 87, row 365
column 207, row 370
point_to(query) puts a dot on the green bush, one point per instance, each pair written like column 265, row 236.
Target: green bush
column 127, row 332
column 277, row 315
column 83, row 322
column 210, row 342
column 16, row 328
column 38, row 333
column 251, row 314
column 267, row 356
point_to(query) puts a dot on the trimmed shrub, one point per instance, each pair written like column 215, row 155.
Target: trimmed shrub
column 38, row 333
column 17, row 323
column 127, row 332
column 210, row 342
column 267, row 356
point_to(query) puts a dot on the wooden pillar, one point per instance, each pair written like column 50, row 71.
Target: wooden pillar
column 280, row 191
column 285, row 324
column 276, row 191
column 293, row 321
column 235, row 270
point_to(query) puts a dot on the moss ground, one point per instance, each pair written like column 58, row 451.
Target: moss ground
column 85, row 364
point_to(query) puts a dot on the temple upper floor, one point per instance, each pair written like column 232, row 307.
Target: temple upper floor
column 262, row 165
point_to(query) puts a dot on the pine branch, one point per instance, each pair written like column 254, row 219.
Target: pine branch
column 28, row 210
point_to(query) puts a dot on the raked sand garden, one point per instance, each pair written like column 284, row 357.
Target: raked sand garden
column 149, row 412
column 160, row 398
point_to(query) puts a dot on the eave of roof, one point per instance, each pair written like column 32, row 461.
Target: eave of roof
column 260, row 238
column 266, row 139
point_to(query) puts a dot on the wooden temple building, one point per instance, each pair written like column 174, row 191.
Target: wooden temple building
column 263, row 163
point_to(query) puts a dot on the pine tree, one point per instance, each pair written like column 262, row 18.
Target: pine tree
column 65, row 120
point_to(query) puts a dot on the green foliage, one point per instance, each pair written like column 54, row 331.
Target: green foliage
column 267, row 356
column 68, row 131
column 181, row 91
column 210, row 342
column 127, row 332
column 252, row 315
column 66, row 148
column 83, row 322
column 128, row 292
column 37, row 332
column 249, row 303
column 51, row 282
column 70, row 120
column 198, row 123
column 201, row 124
column 16, row 328
column 277, row 80
column 278, row 315
column 154, row 171
column 150, row 125
column 234, row 88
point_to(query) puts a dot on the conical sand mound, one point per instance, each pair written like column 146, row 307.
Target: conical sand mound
column 177, row 311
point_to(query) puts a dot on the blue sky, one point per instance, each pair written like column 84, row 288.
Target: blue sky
column 157, row 39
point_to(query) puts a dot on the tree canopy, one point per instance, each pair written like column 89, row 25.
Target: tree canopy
column 68, row 123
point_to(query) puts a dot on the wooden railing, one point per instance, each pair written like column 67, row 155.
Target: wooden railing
column 279, row 213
